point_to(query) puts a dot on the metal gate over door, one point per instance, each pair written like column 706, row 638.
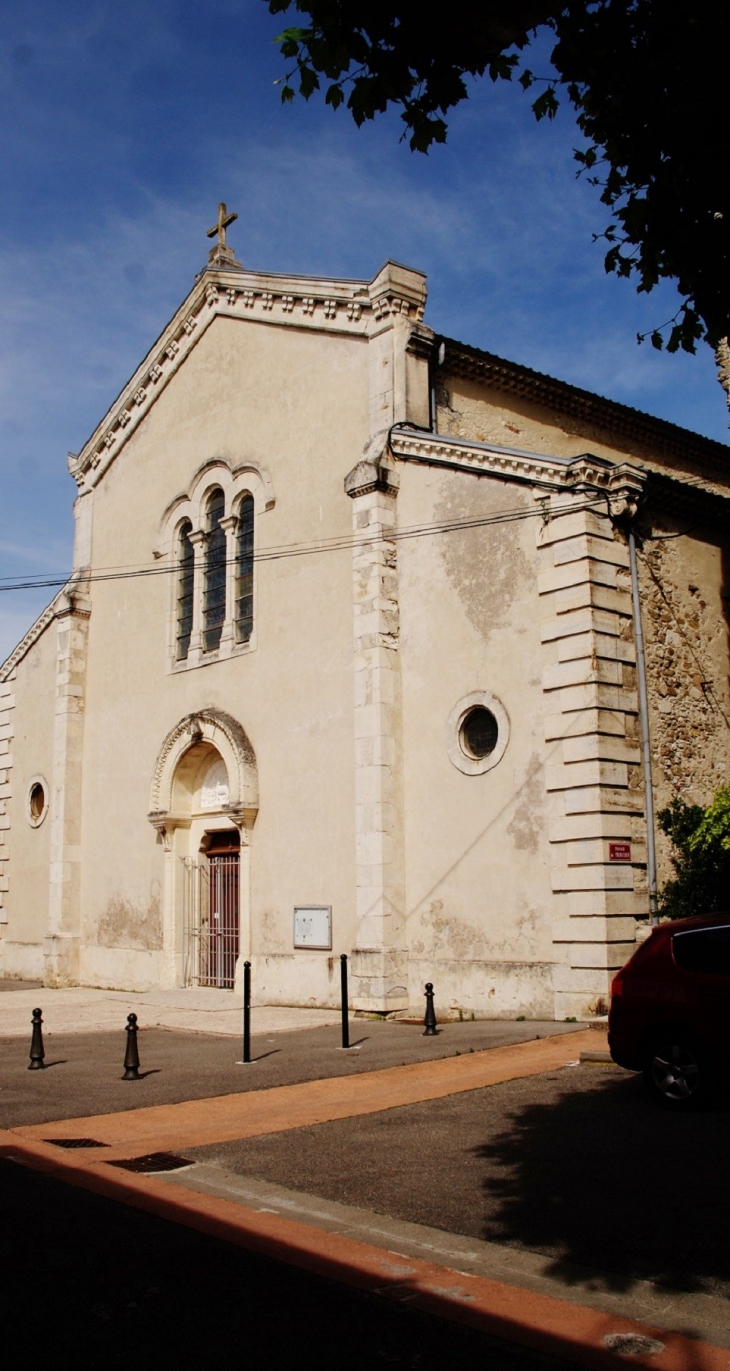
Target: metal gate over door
column 211, row 917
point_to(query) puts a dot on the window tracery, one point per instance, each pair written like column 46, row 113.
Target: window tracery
column 214, row 593
column 244, row 570
column 185, row 590
column 207, row 536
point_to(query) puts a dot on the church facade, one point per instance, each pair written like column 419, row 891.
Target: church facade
column 374, row 643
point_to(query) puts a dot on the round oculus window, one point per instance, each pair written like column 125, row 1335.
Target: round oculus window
column 479, row 733
column 37, row 801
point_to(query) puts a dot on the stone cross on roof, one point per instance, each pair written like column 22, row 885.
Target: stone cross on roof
column 224, row 219
column 220, row 254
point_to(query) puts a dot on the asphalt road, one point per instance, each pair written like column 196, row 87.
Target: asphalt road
column 91, row 1284
column 578, row 1165
column 83, row 1070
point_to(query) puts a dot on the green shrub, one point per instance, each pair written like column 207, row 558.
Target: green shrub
column 701, row 857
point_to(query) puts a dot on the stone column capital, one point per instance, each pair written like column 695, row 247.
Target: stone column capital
column 375, row 470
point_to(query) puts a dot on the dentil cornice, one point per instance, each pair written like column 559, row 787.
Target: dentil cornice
column 349, row 307
column 622, row 482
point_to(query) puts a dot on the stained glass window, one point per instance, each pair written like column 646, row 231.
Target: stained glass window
column 244, row 571
column 214, row 595
column 185, row 587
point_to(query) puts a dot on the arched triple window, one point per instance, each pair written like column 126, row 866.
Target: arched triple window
column 212, row 553
column 214, row 590
column 244, row 571
column 185, row 590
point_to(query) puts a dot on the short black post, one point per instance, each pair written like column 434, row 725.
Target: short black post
column 246, row 1011
column 343, row 984
column 429, row 1022
column 131, row 1056
column 37, row 1052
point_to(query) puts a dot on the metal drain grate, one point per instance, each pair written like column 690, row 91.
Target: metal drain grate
column 153, row 1161
column 75, row 1142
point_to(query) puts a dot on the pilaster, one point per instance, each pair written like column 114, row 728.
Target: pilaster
column 7, row 730
column 597, row 832
column 198, row 539
column 379, row 959
column 398, row 373
column 61, row 945
column 229, row 524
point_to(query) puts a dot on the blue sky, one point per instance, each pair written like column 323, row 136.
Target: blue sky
column 125, row 124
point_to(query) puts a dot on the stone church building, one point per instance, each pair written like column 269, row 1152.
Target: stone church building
column 351, row 660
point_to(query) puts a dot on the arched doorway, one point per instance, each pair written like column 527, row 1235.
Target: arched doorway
column 210, row 870
column 218, row 953
column 205, row 801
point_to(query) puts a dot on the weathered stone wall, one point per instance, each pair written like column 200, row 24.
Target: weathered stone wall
column 470, row 409
column 26, row 754
column 478, row 897
column 683, row 581
column 686, row 631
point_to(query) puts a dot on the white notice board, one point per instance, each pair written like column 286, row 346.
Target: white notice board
column 313, row 926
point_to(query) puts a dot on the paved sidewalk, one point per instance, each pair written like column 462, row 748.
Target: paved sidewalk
column 533, row 1271
column 84, row 1010
column 574, row 1172
column 122, row 1289
column 557, row 1327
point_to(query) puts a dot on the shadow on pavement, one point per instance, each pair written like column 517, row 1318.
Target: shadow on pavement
column 91, row 1284
column 604, row 1178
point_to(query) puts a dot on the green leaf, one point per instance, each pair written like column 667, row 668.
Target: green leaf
column 714, row 827
column 293, row 36
column 701, row 856
column 501, row 67
column 546, row 106
column 308, row 80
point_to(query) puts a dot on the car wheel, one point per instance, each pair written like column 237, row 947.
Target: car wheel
column 676, row 1072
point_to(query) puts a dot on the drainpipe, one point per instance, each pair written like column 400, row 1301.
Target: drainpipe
column 432, row 369
column 644, row 722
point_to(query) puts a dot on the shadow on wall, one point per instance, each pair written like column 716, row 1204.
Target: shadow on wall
column 603, row 1178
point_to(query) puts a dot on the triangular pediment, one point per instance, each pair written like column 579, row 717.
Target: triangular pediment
column 328, row 306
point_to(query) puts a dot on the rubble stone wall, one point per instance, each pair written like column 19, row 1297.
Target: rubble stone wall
column 683, row 581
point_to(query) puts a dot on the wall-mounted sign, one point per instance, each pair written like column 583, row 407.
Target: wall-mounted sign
column 313, row 926
column 619, row 852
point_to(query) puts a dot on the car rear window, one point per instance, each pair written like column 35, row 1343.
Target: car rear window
column 704, row 949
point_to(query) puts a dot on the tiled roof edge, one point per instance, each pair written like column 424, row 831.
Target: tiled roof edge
column 610, row 415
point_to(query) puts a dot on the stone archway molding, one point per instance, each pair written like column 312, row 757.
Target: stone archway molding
column 227, row 736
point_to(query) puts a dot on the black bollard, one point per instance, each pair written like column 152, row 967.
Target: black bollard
column 37, row 1052
column 343, row 985
column 246, row 1011
column 131, row 1056
column 429, row 1022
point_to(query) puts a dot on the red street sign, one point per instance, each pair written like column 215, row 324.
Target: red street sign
column 619, row 852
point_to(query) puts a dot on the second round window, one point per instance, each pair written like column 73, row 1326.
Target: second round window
column 37, row 801
column 479, row 733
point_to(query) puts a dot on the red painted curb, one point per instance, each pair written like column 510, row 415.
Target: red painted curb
column 556, row 1327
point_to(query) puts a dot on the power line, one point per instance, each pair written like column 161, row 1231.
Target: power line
column 284, row 551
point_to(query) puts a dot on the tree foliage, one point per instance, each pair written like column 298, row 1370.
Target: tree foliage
column 701, row 857
column 646, row 79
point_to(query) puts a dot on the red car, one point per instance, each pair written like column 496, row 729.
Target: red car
column 670, row 1010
